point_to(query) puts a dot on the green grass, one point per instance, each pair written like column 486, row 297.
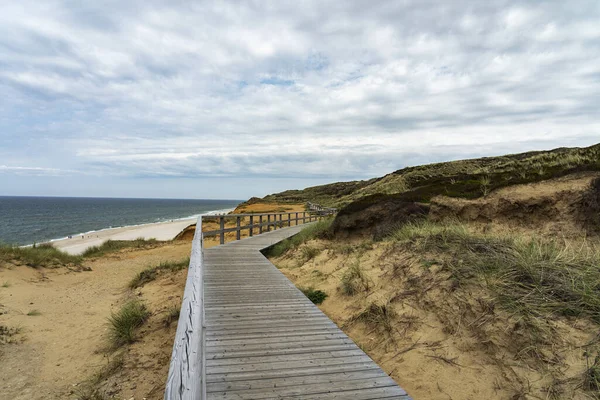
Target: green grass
column 124, row 323
column 110, row 246
column 6, row 284
column 320, row 229
column 34, row 313
column 316, row 296
column 533, row 278
column 464, row 178
column 44, row 255
column 151, row 273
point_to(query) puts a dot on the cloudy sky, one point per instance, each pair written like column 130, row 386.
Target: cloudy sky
column 215, row 99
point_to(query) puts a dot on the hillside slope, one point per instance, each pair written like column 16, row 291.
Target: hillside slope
column 466, row 178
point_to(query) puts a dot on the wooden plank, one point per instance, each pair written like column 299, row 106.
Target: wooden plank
column 263, row 339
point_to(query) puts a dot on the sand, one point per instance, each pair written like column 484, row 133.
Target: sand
column 159, row 231
column 63, row 345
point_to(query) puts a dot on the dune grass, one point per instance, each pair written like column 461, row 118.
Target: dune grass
column 532, row 277
column 111, row 246
column 124, row 323
column 43, row 255
column 320, row 229
column 354, row 280
column 151, row 273
column 34, row 313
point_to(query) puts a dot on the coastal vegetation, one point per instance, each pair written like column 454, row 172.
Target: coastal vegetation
column 125, row 322
column 151, row 273
column 319, row 229
column 43, row 255
column 111, row 246
column 498, row 293
column 465, row 178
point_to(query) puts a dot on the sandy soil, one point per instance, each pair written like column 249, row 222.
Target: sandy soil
column 441, row 343
column 63, row 345
column 159, row 231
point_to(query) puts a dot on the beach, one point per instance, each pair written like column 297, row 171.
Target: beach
column 159, row 231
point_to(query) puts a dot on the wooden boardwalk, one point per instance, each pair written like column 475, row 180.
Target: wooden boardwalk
column 263, row 339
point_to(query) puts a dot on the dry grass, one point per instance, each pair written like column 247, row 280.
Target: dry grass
column 354, row 280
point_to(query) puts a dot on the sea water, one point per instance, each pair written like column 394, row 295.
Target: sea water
column 26, row 220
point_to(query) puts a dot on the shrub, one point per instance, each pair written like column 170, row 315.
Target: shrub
column 316, row 296
column 124, row 323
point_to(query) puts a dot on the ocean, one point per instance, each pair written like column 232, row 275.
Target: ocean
column 27, row 220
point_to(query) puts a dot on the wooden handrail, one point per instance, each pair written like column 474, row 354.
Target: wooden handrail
column 273, row 220
column 187, row 372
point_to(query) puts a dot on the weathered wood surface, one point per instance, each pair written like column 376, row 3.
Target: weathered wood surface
column 263, row 339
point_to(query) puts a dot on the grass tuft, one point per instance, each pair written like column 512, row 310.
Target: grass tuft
column 34, row 313
column 309, row 253
column 316, row 296
column 320, row 229
column 124, row 323
column 44, row 255
column 377, row 316
column 354, row 280
column 110, row 246
column 150, row 273
column 6, row 284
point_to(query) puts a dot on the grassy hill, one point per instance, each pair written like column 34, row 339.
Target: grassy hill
column 466, row 178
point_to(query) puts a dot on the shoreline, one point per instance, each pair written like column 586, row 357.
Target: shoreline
column 166, row 230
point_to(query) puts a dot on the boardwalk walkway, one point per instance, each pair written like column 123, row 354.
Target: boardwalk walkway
column 265, row 340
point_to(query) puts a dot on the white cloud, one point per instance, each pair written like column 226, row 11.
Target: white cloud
column 156, row 88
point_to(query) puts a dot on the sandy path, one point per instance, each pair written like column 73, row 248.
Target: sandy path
column 61, row 344
column 159, row 231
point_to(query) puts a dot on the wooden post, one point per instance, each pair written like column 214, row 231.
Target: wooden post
column 304, row 217
column 289, row 219
column 268, row 222
column 238, row 232
column 281, row 220
column 222, row 227
column 297, row 221
column 260, row 222
column 251, row 225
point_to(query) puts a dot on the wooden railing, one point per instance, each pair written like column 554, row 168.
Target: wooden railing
column 187, row 372
column 320, row 210
column 257, row 223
